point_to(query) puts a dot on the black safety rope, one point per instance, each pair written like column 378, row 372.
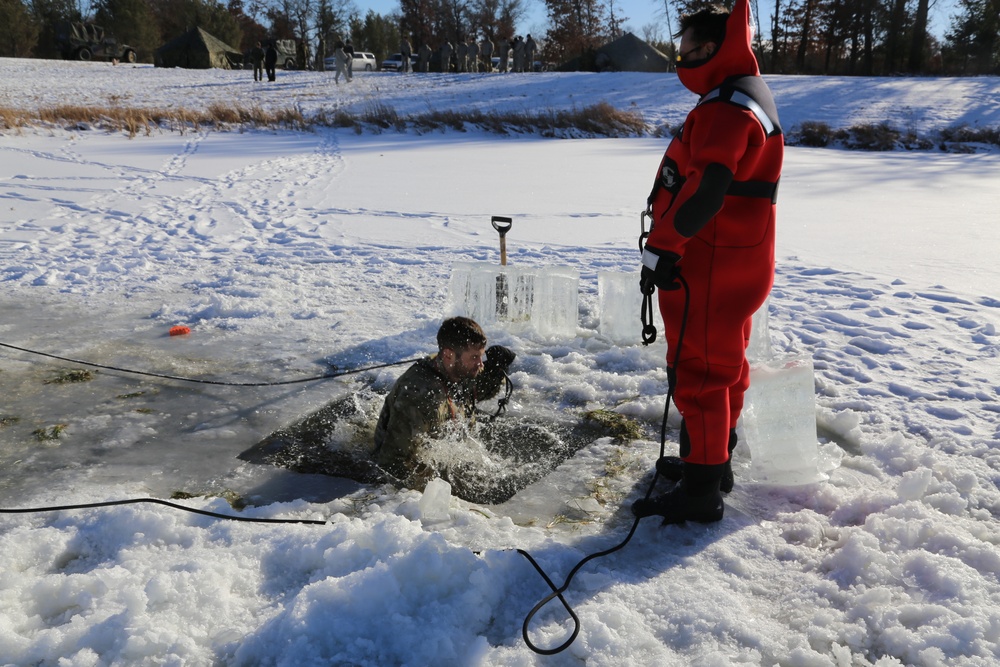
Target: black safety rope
column 558, row 592
column 156, row 501
column 646, row 311
column 646, row 316
column 314, row 378
column 502, row 402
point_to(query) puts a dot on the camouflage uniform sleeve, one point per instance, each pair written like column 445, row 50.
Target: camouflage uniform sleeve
column 413, row 410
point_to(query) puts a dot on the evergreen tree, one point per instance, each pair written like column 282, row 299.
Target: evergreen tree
column 131, row 22
column 919, row 42
column 376, row 33
column 898, row 24
column 21, row 34
column 974, row 39
column 47, row 15
column 175, row 17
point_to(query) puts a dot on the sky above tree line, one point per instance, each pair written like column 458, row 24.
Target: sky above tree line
column 643, row 12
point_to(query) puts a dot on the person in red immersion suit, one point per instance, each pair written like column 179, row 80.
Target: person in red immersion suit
column 713, row 208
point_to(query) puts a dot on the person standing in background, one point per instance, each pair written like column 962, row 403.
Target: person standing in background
column 257, row 61
column 271, row 61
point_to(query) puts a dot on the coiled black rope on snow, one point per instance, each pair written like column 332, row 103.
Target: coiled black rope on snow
column 314, row 378
column 557, row 592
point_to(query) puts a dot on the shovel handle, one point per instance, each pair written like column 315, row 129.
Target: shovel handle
column 501, row 224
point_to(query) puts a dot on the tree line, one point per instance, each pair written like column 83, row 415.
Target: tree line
column 843, row 37
column 881, row 37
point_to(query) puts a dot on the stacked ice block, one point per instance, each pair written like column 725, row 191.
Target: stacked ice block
column 619, row 303
column 542, row 299
column 779, row 416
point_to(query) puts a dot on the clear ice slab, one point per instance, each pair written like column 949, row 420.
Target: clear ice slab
column 541, row 299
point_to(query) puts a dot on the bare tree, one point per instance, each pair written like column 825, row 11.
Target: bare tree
column 614, row 21
column 576, row 27
column 672, row 52
column 332, row 18
column 497, row 18
column 418, row 21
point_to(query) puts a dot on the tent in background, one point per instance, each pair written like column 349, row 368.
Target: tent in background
column 628, row 53
column 196, row 49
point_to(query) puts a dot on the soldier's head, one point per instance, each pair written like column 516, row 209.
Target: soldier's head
column 461, row 343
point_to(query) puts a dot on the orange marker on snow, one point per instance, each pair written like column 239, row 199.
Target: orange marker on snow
column 180, row 331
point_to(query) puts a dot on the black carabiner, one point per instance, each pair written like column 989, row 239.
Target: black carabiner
column 643, row 234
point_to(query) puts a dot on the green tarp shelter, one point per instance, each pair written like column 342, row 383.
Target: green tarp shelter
column 196, row 49
column 628, row 53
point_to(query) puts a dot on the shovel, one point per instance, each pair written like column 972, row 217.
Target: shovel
column 502, row 225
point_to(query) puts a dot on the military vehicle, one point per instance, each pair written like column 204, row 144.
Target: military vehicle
column 289, row 56
column 86, row 41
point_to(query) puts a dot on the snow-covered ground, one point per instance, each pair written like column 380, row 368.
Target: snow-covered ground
column 908, row 104
column 286, row 251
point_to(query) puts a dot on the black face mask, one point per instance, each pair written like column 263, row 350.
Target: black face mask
column 691, row 64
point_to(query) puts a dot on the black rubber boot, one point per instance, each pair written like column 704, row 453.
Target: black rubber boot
column 672, row 467
column 696, row 498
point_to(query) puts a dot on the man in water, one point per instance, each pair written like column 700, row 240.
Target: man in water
column 434, row 392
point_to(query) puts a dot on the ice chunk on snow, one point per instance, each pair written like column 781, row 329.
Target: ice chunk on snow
column 435, row 501
column 779, row 422
column 620, row 303
column 759, row 348
column 541, row 299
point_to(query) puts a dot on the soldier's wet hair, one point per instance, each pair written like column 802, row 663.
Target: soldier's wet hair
column 460, row 333
column 709, row 24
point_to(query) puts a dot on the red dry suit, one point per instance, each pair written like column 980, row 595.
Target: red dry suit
column 713, row 204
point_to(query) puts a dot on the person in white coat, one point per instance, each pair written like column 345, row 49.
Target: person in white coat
column 340, row 64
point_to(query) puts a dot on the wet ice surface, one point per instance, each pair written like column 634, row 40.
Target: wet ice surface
column 159, row 435
column 149, row 435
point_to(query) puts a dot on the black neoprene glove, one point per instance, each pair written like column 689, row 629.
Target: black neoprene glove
column 498, row 356
column 659, row 269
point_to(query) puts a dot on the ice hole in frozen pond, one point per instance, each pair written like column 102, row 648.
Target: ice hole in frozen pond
column 486, row 463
